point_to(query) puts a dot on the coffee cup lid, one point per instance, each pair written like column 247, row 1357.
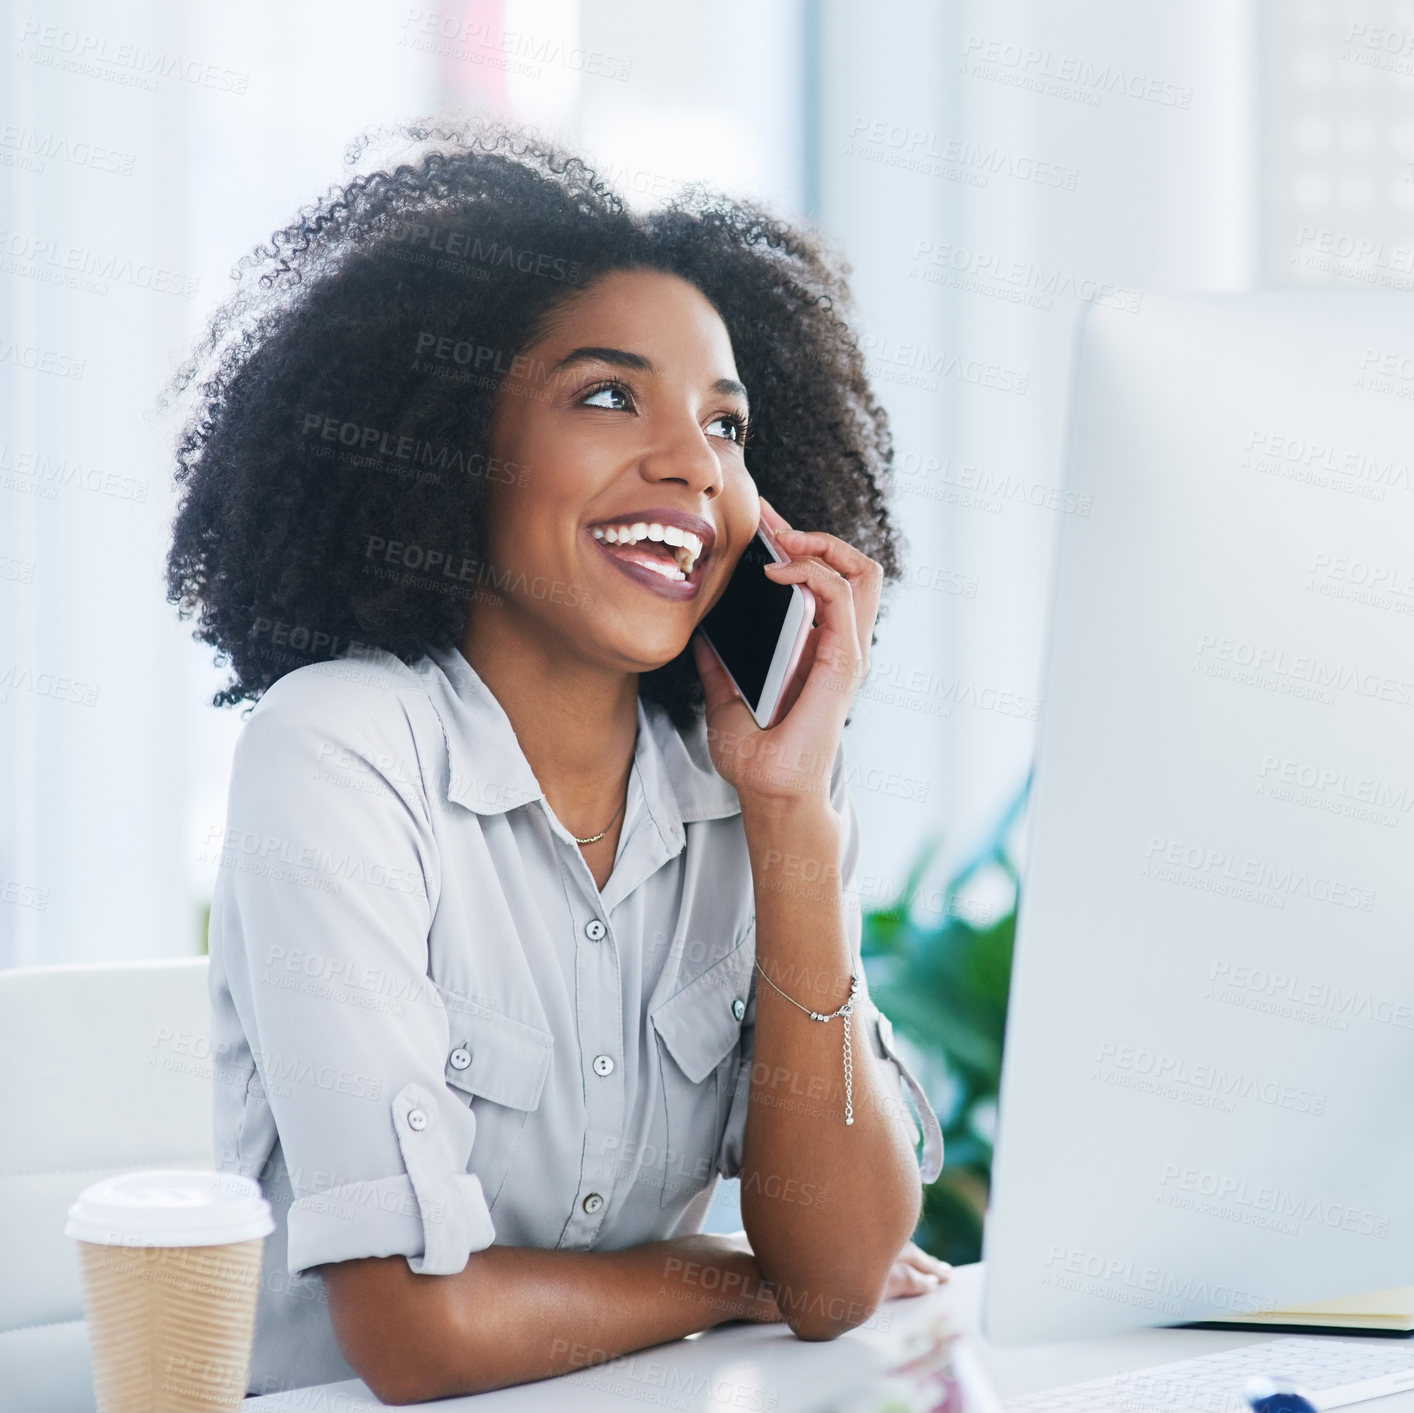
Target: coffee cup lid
column 170, row 1207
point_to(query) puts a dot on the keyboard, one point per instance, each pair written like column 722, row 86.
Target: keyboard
column 1212, row 1383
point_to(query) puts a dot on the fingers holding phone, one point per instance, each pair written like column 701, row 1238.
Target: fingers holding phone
column 758, row 630
column 846, row 585
column 838, row 666
column 787, row 630
column 865, row 576
column 802, row 671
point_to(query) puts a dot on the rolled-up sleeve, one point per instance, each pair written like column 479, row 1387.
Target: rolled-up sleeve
column 867, row 1020
column 320, row 922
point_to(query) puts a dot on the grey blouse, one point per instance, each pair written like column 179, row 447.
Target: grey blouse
column 432, row 1031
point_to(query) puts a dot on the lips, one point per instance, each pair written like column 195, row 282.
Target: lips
column 660, row 523
column 652, row 579
column 660, row 547
column 653, row 555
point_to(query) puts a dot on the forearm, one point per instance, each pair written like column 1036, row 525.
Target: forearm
column 517, row 1314
column 831, row 1256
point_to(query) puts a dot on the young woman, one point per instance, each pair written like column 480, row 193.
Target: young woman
column 505, row 855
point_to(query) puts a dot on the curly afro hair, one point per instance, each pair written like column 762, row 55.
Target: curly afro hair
column 316, row 429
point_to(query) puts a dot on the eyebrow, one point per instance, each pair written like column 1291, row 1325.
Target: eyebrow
column 622, row 358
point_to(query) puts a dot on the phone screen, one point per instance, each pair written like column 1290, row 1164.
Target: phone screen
column 745, row 624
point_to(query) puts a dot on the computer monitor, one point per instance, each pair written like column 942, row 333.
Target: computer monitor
column 1207, row 1098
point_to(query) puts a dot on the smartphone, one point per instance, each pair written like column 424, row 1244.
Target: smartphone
column 758, row 629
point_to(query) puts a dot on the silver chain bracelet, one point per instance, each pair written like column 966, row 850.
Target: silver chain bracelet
column 844, row 1012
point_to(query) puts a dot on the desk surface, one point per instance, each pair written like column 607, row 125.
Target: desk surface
column 766, row 1369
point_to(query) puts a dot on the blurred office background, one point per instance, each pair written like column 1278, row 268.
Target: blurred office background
column 987, row 169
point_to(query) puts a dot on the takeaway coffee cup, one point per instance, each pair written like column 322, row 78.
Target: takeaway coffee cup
column 171, row 1271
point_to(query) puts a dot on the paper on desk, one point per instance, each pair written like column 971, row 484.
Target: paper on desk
column 1393, row 1307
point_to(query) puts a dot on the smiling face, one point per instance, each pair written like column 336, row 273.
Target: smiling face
column 627, row 415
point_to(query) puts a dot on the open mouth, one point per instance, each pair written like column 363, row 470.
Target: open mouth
column 672, row 553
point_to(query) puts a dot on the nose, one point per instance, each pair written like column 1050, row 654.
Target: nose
column 684, row 453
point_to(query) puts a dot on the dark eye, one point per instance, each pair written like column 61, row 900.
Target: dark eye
column 608, row 391
column 735, row 422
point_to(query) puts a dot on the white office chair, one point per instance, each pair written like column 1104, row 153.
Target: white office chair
column 103, row 1069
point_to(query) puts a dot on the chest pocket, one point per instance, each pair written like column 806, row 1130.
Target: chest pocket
column 500, row 1066
column 699, row 1032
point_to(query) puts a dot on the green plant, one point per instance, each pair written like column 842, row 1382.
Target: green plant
column 943, row 983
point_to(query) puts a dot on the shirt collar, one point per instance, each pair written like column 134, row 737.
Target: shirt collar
column 490, row 774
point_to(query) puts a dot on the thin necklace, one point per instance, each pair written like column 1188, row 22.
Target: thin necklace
column 593, row 838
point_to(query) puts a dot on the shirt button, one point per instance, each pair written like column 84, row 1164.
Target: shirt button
column 417, row 1120
column 593, row 1203
column 460, row 1057
column 594, row 929
column 738, row 1010
column 603, row 1064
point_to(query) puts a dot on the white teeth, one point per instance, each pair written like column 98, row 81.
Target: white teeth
column 688, row 546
